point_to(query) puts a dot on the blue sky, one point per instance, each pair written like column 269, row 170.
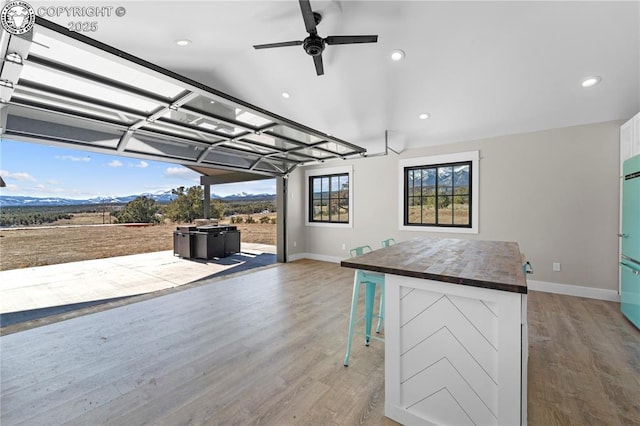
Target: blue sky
column 37, row 170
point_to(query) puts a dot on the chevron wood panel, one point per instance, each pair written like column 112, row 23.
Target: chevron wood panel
column 443, row 345
column 449, row 411
column 480, row 314
column 445, row 381
column 452, row 353
column 450, row 344
column 444, row 313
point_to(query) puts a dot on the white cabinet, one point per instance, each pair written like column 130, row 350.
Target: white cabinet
column 629, row 139
column 454, row 354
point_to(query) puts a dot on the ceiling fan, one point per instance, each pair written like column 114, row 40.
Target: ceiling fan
column 314, row 44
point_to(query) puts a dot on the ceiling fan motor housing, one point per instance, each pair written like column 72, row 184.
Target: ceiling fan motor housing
column 313, row 45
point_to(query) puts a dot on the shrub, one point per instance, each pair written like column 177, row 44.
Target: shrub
column 140, row 210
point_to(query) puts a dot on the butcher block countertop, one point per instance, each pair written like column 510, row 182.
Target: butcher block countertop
column 494, row 265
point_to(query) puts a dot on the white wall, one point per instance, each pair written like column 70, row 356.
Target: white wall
column 554, row 192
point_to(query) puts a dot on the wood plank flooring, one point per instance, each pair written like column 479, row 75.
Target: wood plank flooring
column 584, row 362
column 267, row 347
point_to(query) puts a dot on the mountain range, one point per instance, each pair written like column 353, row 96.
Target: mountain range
column 458, row 175
column 162, row 197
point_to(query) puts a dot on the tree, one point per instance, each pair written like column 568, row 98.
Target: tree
column 217, row 209
column 462, row 195
column 140, row 210
column 187, row 205
column 445, row 201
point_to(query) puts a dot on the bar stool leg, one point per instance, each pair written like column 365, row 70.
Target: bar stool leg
column 353, row 316
column 381, row 312
column 369, row 297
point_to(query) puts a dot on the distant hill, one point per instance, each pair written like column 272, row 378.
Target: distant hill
column 160, row 197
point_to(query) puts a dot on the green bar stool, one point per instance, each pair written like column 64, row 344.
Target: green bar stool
column 370, row 280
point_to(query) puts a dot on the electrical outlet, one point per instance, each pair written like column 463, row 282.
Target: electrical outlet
column 344, row 246
column 556, row 267
column 295, row 243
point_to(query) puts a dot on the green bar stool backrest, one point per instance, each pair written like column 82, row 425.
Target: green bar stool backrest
column 388, row 242
column 359, row 251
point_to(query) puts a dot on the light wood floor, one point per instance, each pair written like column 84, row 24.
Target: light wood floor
column 584, row 362
column 267, row 348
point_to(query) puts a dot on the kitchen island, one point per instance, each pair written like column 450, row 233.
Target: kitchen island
column 455, row 331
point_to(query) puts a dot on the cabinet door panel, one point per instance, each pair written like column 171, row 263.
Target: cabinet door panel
column 627, row 133
column 629, row 139
column 635, row 144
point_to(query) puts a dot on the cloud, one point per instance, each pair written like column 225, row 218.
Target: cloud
column 23, row 176
column 118, row 163
column 177, row 171
column 182, row 173
column 72, row 158
column 10, row 187
column 53, row 182
column 140, row 165
column 39, row 186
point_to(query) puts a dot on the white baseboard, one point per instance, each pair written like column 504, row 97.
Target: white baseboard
column 574, row 290
column 566, row 289
column 314, row 256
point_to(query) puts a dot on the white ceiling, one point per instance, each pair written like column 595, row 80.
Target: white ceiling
column 479, row 68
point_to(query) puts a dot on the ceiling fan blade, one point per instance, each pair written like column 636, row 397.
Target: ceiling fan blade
column 351, row 39
column 307, row 15
column 281, row 44
column 317, row 60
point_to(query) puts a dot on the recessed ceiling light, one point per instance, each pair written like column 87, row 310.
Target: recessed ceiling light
column 397, row 55
column 183, row 42
column 212, row 102
column 424, row 116
column 591, row 81
column 286, row 95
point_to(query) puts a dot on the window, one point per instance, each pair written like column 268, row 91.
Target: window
column 329, row 197
column 439, row 194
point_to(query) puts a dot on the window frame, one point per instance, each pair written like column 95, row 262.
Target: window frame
column 328, row 173
column 472, row 158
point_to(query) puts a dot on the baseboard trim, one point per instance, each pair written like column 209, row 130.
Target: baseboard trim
column 314, row 256
column 566, row 289
column 574, row 290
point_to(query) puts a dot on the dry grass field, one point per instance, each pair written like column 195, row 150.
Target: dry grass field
column 460, row 216
column 85, row 237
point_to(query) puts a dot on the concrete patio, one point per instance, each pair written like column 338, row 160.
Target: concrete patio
column 104, row 279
